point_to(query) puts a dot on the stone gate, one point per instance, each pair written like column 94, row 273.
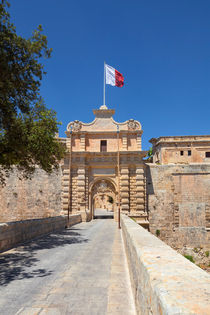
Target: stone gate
column 104, row 152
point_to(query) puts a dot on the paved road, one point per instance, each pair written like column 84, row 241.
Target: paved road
column 82, row 270
column 103, row 213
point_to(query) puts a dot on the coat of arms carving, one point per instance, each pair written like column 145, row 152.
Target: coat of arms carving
column 75, row 126
column 132, row 124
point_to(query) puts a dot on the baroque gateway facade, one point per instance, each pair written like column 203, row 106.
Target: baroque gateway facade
column 104, row 164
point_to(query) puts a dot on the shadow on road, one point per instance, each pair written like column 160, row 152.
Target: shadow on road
column 14, row 263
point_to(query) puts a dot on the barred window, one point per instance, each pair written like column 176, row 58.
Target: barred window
column 103, row 146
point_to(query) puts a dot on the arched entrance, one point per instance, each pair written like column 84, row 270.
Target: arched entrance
column 103, row 198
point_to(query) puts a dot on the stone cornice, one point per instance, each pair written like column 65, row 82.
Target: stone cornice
column 180, row 139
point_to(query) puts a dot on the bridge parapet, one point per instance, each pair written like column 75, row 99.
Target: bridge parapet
column 13, row 233
column 163, row 281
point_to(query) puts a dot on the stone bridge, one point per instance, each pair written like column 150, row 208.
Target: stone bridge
column 95, row 268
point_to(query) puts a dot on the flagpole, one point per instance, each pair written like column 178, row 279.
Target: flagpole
column 104, row 83
column 118, row 175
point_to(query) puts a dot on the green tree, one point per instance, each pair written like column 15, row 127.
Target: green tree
column 27, row 127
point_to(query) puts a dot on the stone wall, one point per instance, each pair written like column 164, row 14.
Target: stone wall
column 160, row 277
column 178, row 200
column 13, row 233
column 31, row 199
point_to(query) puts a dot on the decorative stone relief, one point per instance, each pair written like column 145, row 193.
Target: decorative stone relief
column 103, row 187
column 132, row 124
column 76, row 126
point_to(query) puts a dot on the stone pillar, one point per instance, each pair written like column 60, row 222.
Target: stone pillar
column 82, row 142
column 124, row 142
column 65, row 190
column 124, row 189
column 138, row 141
column 87, row 174
column 74, row 190
column 140, row 187
column 68, row 144
column 132, row 186
column 81, row 188
column 65, row 178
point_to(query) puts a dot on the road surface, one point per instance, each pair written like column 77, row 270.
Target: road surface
column 81, row 270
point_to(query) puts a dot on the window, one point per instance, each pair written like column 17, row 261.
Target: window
column 207, row 154
column 181, row 152
column 103, row 146
column 189, row 152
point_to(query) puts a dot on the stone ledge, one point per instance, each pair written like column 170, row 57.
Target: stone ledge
column 163, row 281
column 12, row 233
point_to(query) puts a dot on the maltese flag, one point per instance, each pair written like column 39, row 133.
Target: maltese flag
column 113, row 77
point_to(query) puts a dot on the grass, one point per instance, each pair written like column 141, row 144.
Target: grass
column 190, row 258
column 157, row 232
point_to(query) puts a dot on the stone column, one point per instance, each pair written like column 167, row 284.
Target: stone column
column 74, row 190
column 138, row 141
column 124, row 189
column 65, row 178
column 140, row 187
column 87, row 174
column 65, row 190
column 81, row 188
column 124, row 142
column 82, row 142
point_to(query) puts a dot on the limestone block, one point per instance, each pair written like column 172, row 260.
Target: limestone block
column 65, row 189
column 65, row 194
column 124, row 184
column 140, row 194
column 140, row 177
column 139, row 171
column 140, row 207
column 124, row 177
column 124, row 170
column 66, row 171
column 125, row 200
column 65, row 206
column 125, row 207
column 81, row 177
column 81, row 183
column 124, row 188
column 140, row 183
column 81, row 171
column 81, row 189
column 124, row 194
column 65, row 183
column 140, row 188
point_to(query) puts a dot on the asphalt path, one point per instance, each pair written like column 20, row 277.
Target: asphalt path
column 68, row 272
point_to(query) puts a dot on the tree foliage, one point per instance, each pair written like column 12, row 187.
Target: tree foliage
column 27, row 127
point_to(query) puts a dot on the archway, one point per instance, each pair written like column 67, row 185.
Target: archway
column 103, row 198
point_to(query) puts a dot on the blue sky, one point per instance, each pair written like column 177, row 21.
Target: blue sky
column 161, row 47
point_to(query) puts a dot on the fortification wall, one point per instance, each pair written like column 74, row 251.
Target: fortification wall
column 39, row 197
column 160, row 277
column 178, row 200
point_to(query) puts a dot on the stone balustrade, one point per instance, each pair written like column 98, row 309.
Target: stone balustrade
column 163, row 281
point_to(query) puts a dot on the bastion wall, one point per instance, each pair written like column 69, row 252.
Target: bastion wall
column 37, row 198
column 178, row 201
